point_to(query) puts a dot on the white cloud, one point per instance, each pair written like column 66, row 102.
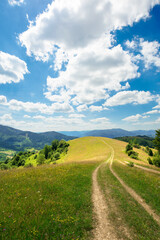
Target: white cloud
column 129, row 97
column 3, row 99
column 36, row 107
column 103, row 120
column 27, row 116
column 95, row 108
column 148, row 51
column 5, row 117
column 12, row 69
column 15, row 2
column 82, row 108
column 153, row 112
column 76, row 115
column 75, row 24
column 133, row 118
column 93, row 72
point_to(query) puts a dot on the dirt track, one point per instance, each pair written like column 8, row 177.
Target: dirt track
column 103, row 228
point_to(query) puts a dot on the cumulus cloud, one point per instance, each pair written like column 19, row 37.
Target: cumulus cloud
column 129, row 97
column 38, row 107
column 12, row 69
column 148, row 51
column 93, row 72
column 103, row 120
column 82, row 108
column 153, row 112
column 133, row 118
column 3, row 99
column 66, row 23
column 15, row 2
column 94, row 108
column 78, row 34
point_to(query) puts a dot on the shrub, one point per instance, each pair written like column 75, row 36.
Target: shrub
column 136, row 145
column 156, row 160
column 130, row 164
column 40, row 159
column 57, row 156
column 133, row 154
column 28, row 165
column 4, row 166
column 129, row 147
column 35, row 156
column 150, row 161
column 150, row 153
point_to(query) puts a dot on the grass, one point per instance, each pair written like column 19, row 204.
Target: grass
column 86, row 149
column 124, row 211
column 146, row 184
column 47, row 202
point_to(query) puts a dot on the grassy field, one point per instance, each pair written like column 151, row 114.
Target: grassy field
column 5, row 153
column 47, row 202
column 53, row 201
column 124, row 211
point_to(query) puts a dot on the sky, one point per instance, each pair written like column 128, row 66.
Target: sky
column 80, row 65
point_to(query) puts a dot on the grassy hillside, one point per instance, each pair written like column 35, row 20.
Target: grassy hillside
column 18, row 140
column 55, row 201
column 86, row 149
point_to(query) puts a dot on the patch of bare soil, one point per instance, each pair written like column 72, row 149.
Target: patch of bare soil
column 103, row 229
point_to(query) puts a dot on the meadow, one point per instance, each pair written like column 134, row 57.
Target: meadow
column 54, row 201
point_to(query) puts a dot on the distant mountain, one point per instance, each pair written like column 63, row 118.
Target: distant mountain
column 110, row 133
column 18, row 140
column 141, row 140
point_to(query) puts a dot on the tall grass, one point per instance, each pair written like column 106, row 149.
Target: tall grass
column 46, row 202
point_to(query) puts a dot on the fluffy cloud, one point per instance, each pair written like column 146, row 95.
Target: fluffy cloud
column 153, row 112
column 15, row 2
column 93, row 108
column 93, row 71
column 149, row 51
column 82, row 108
column 12, row 69
column 133, row 118
column 3, row 99
column 103, row 120
column 66, row 23
column 128, row 97
column 35, row 107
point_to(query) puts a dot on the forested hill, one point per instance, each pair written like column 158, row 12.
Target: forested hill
column 18, row 140
column 141, row 140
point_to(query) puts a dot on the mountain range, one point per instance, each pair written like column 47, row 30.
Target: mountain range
column 18, row 140
column 110, row 133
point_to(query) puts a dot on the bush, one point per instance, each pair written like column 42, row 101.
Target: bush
column 150, row 161
column 35, row 156
column 40, row 159
column 28, row 165
column 133, row 154
column 57, row 156
column 150, row 153
column 129, row 147
column 130, row 164
column 156, row 160
column 136, row 145
column 4, row 166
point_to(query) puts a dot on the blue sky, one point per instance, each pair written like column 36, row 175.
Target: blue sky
column 78, row 65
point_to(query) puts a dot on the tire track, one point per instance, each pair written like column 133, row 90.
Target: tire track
column 140, row 200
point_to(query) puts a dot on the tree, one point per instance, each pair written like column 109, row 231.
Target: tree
column 156, row 141
column 47, row 149
column 55, row 144
column 40, row 159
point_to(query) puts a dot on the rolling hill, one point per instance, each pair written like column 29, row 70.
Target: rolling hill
column 18, row 140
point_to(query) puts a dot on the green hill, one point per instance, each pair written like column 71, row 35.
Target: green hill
column 18, row 140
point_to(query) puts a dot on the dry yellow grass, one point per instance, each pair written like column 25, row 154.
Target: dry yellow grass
column 86, row 149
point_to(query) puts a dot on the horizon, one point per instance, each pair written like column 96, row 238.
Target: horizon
column 80, row 66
